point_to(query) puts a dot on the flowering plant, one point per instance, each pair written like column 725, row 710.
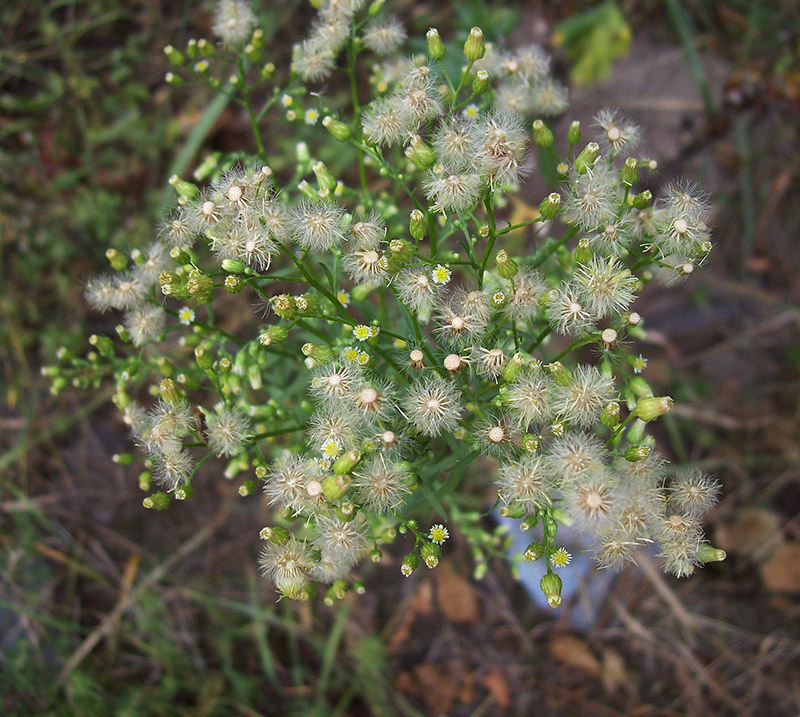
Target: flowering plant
column 407, row 331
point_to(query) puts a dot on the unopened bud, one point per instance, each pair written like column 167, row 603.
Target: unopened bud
column 634, row 454
column 324, row 177
column 474, row 47
column 574, row 132
column 542, row 134
column 345, row 463
column 610, row 415
column 436, row 48
column 419, row 153
column 506, row 266
column 410, row 563
column 339, row 130
column 550, row 585
column 334, row 487
column 709, row 554
column 481, row 82
column 550, row 206
column 629, row 174
column 643, row 199
column 586, row 159
column 417, row 225
column 430, row 554
column 560, row 373
column 649, row 409
column 533, row 552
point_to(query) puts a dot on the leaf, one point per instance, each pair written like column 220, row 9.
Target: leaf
column 782, row 571
column 574, row 652
column 456, row 597
column 593, row 40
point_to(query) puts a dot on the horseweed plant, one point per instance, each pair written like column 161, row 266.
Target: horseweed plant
column 406, row 332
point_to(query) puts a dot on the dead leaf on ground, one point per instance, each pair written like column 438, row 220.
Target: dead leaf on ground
column 432, row 684
column 456, row 596
column 782, row 571
column 421, row 603
column 496, row 683
column 574, row 652
column 748, row 531
column 613, row 673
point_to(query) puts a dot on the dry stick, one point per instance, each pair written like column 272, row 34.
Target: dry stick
column 127, row 600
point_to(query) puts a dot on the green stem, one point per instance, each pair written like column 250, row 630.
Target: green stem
column 487, row 203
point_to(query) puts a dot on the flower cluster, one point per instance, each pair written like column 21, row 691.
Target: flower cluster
column 407, row 335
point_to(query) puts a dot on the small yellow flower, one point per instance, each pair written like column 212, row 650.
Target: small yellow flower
column 185, row 316
column 470, row 111
column 374, row 331
column 438, row 534
column 363, row 359
column 639, row 364
column 441, row 274
column 311, row 116
column 399, row 344
column 560, row 558
column 331, row 449
column 350, row 354
column 344, row 297
column 361, row 332
column 460, row 433
column 287, row 100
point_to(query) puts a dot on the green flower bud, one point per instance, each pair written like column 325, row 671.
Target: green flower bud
column 635, row 433
column 430, row 554
column 346, row 510
column 320, row 354
column 574, row 132
column 284, row 306
column 173, row 80
column 174, row 56
column 276, row 534
column 233, row 266
column 512, row 510
column 498, row 299
column 334, row 487
column 651, row 408
column 529, row 523
column 419, row 153
column 274, row 334
column 345, row 463
column 481, row 82
column 360, row 292
column 145, row 480
column 375, row 7
column 253, row 53
column 583, row 251
column 258, row 40
column 156, row 501
column 417, row 225
column 560, row 373
column 324, row 177
column 206, row 48
column 268, row 71
column 308, row 191
column 474, row 47
column 200, row 286
column 550, row 585
column 586, row 159
column 375, row 555
column 204, row 359
column 634, row 454
column 643, row 199
column 183, row 188
column 506, row 266
column 533, row 552
column 122, row 459
column 410, row 563
column 629, row 174
column 610, row 416
column 709, row 554
column 435, row 45
column 542, row 134
column 234, row 284
column 550, row 206
column 401, row 249
column 103, row 344
column 339, row 130
column 640, row 387
column 191, row 49
column 530, row 442
column 512, row 369
column 550, row 527
column 117, row 259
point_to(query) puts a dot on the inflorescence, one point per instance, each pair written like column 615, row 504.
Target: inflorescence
column 408, row 333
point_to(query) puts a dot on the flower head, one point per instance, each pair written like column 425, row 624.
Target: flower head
column 438, row 534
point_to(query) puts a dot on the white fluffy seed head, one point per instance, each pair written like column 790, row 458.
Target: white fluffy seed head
column 432, row 406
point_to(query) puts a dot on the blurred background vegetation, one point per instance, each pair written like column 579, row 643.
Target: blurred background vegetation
column 105, row 609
